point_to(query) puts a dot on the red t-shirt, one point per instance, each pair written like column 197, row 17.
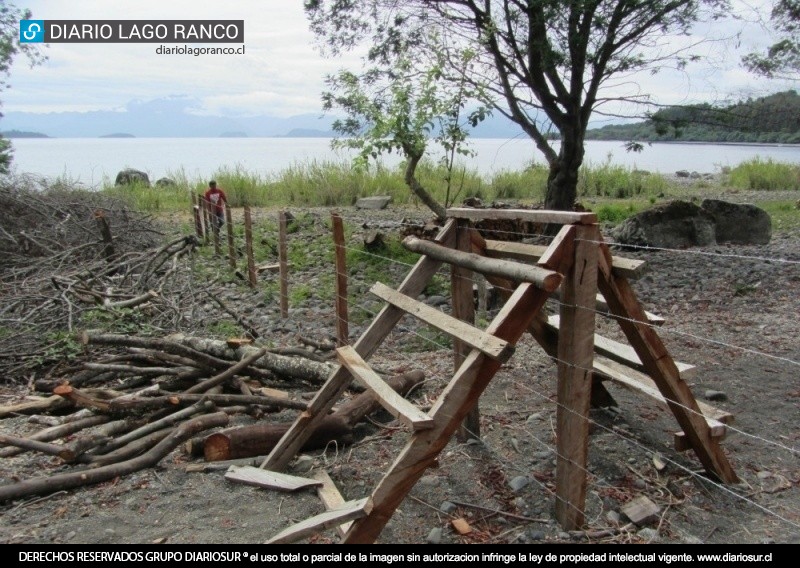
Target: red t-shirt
column 217, row 198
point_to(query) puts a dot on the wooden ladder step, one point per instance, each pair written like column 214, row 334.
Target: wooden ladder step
column 629, row 378
column 623, row 353
column 250, row 475
column 388, row 397
column 487, row 343
column 349, row 511
column 330, row 497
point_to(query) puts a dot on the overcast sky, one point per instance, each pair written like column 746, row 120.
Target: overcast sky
column 281, row 72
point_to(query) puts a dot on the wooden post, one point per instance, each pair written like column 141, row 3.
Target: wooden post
column 248, row 242
column 198, row 221
column 231, row 247
column 575, row 362
column 464, row 309
column 206, row 220
column 215, row 225
column 105, row 233
column 283, row 264
column 342, row 332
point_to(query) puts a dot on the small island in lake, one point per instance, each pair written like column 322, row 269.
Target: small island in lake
column 23, row 134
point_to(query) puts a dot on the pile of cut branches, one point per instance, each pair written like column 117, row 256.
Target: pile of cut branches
column 66, row 253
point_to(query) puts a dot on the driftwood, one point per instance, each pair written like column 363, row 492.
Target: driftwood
column 71, row 480
column 259, row 439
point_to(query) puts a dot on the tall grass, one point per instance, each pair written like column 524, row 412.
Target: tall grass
column 765, row 175
column 607, row 180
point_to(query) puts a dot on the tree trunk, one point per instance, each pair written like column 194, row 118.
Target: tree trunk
column 417, row 189
column 562, row 182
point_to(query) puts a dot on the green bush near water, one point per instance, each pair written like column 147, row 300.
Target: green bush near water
column 766, row 175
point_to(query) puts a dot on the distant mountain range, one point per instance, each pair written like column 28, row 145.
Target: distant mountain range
column 177, row 117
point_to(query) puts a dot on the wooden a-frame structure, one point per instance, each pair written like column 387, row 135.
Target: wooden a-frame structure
column 576, row 265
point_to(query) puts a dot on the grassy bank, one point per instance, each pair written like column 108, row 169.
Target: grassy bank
column 615, row 192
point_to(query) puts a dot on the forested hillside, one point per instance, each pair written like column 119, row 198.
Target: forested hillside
column 772, row 119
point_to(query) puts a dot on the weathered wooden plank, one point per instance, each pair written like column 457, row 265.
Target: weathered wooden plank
column 330, row 497
column 660, row 366
column 490, row 345
column 547, row 280
column 574, row 389
column 349, row 511
column 628, row 267
column 448, row 412
column 250, row 475
column 283, row 265
column 464, row 310
column 623, row 353
column 389, row 398
column 531, row 215
column 413, row 284
column 340, row 302
column 641, row 383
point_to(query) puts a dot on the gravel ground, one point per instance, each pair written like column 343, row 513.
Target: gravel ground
column 730, row 311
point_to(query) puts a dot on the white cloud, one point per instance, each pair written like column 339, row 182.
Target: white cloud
column 281, row 73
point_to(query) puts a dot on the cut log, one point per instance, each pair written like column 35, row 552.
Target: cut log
column 545, row 279
column 249, row 441
column 259, row 439
column 71, row 480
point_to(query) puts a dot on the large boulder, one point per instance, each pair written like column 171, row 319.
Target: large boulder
column 739, row 223
column 374, row 202
column 677, row 224
column 165, row 182
column 130, row 176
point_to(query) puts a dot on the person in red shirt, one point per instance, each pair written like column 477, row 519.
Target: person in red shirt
column 217, row 200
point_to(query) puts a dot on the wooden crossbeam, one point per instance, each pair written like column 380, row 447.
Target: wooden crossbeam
column 639, row 382
column 349, row 511
column 628, row 267
column 302, row 428
column 530, row 215
column 387, row 397
column 625, row 354
column 330, row 497
column 545, row 279
column 451, row 407
column 490, row 345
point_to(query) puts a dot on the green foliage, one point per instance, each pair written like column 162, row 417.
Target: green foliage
column 615, row 213
column 10, row 48
column 119, row 320
column 609, row 180
column 785, row 214
column 765, row 175
column 224, row 328
column 771, row 119
column 61, row 346
column 783, row 57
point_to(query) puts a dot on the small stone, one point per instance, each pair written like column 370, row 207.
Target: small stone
column 303, row 464
column 648, row 535
column 613, row 517
column 691, row 539
column 641, row 510
column 764, row 474
column 563, row 536
column 715, row 395
column 518, row 483
column 447, row 507
column 428, row 481
column 536, row 416
column 435, row 536
column 110, row 531
column 374, row 202
column 536, row 535
column 639, row 483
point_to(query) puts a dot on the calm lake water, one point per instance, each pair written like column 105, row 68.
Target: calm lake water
column 92, row 161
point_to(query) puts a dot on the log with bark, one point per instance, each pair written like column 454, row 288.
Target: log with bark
column 259, row 439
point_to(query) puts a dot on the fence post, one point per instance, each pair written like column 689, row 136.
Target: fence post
column 248, row 241
column 464, row 309
column 575, row 364
column 283, row 264
column 198, row 221
column 342, row 331
column 231, row 247
column 206, row 220
column 105, row 233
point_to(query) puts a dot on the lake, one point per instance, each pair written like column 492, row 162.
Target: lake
column 93, row 161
